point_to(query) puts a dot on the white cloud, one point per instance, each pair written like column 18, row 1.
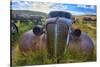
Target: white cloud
column 41, row 6
column 86, row 6
column 37, row 6
column 92, row 7
column 81, row 13
column 47, row 7
column 16, row 0
column 76, row 12
column 58, row 6
column 30, row 5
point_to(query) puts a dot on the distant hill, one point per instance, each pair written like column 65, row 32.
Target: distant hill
column 28, row 13
column 84, row 16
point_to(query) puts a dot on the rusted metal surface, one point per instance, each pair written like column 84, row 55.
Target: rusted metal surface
column 56, row 38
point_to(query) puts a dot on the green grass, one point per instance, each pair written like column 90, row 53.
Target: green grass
column 41, row 57
column 22, row 27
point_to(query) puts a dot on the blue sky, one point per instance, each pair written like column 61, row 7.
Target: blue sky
column 75, row 9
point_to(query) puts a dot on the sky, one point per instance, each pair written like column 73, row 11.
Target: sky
column 75, row 9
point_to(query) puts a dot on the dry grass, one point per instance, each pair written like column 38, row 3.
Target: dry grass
column 18, row 59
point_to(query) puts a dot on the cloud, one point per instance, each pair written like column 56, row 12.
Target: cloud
column 87, row 6
column 75, row 9
column 21, row 5
column 81, row 13
column 58, row 6
column 41, row 6
column 47, row 7
column 30, row 5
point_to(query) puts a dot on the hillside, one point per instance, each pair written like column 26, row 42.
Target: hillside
column 28, row 13
column 85, row 16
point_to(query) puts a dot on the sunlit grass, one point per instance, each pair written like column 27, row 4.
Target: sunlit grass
column 41, row 57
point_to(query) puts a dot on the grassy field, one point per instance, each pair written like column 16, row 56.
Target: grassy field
column 40, row 57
